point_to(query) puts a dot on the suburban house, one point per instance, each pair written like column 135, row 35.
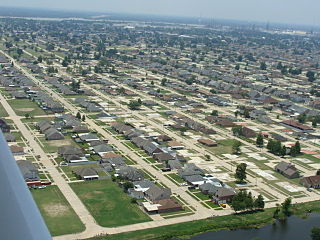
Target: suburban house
column 168, row 205
column 143, row 185
column 130, row 173
column 86, row 173
column 174, row 145
column 16, row 150
column 88, row 137
column 156, row 193
column 28, row 170
column 5, row 128
column 297, row 126
column 174, row 164
column 248, row 132
column 190, row 169
column 207, row 142
column 102, row 149
column 72, row 154
column 311, row 182
column 9, row 137
column 287, row 169
column 53, row 134
column 223, row 194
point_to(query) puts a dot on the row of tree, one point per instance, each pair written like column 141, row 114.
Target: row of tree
column 276, row 148
column 243, row 201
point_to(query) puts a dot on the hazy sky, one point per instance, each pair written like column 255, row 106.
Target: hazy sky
column 285, row 11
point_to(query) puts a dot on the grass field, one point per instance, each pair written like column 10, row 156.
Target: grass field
column 56, row 211
column 108, row 204
column 23, row 106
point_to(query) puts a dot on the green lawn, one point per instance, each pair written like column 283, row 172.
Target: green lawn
column 108, row 204
column 24, row 106
column 176, row 177
column 202, row 196
column 56, row 211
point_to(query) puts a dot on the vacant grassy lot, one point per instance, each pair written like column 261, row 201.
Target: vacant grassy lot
column 108, row 204
column 24, row 106
column 224, row 147
column 56, row 211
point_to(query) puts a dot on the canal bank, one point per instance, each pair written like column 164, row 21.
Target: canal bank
column 294, row 228
column 189, row 229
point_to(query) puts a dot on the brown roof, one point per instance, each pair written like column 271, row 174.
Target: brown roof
column 296, row 124
column 207, row 142
column 16, row 149
column 174, row 144
column 312, row 180
column 167, row 204
column 110, row 155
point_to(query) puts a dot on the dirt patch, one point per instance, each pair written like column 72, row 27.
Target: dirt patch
column 97, row 192
column 59, row 143
column 56, row 210
column 25, row 109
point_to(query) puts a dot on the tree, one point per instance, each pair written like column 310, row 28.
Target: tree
column 315, row 233
column 286, row 206
column 214, row 113
column 152, row 83
column 276, row 212
column 208, row 157
column 259, row 140
column 83, row 118
column 127, row 185
column 78, row 115
column 318, row 172
column 283, row 151
column 237, row 131
column 314, row 123
column 259, row 202
column 163, row 81
column 293, row 151
column 246, row 113
column 40, row 59
column 243, row 201
column 302, row 118
column 240, row 174
column 279, row 66
column 311, row 76
column 263, row 66
column 189, row 81
column 64, row 63
column 270, row 145
column 27, row 115
column 237, row 67
column 236, row 147
column 134, row 105
column 298, row 147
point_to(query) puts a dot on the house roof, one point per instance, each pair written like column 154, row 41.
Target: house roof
column 156, row 193
column 102, row 148
column 85, row 172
